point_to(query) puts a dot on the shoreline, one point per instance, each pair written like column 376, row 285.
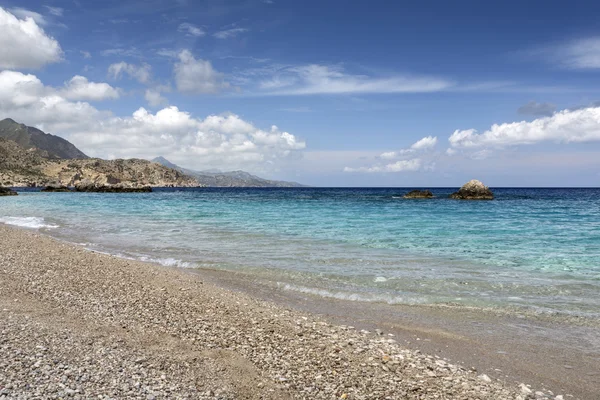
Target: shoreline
column 303, row 333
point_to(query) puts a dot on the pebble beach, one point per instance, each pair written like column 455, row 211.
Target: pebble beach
column 78, row 324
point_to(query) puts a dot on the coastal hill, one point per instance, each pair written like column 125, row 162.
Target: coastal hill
column 226, row 179
column 47, row 145
column 23, row 164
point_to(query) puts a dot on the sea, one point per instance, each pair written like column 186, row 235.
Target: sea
column 530, row 249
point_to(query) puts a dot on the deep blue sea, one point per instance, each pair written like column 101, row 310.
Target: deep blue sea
column 532, row 249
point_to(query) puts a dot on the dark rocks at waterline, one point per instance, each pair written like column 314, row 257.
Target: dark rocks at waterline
column 473, row 190
column 419, row 194
column 56, row 188
column 120, row 188
column 7, row 192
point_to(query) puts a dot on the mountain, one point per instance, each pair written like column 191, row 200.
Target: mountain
column 48, row 145
column 216, row 178
column 23, row 164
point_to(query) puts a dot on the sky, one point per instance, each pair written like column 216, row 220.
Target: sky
column 326, row 93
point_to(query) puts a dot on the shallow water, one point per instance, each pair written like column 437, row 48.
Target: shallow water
column 537, row 249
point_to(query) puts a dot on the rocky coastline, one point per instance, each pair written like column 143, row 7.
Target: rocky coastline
column 7, row 192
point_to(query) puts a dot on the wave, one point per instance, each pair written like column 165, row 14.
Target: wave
column 366, row 297
column 167, row 262
column 27, row 222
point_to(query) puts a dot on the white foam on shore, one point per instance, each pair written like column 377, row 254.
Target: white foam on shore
column 377, row 298
column 27, row 222
column 167, row 262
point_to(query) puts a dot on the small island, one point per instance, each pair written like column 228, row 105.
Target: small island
column 419, row 194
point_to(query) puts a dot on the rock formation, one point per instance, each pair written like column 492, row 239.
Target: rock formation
column 56, row 188
column 7, row 192
column 20, row 167
column 473, row 190
column 89, row 186
column 418, row 194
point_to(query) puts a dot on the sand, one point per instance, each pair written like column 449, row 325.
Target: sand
column 78, row 324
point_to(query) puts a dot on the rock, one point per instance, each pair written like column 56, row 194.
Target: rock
column 56, row 188
column 473, row 190
column 485, row 378
column 524, row 389
column 89, row 186
column 7, row 192
column 419, row 194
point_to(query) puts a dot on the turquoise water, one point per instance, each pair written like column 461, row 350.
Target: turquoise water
column 537, row 249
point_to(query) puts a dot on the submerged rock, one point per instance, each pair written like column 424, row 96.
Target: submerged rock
column 473, row 190
column 7, row 192
column 419, row 194
column 88, row 186
column 56, row 188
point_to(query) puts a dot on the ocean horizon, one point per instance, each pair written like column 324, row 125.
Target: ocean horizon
column 531, row 249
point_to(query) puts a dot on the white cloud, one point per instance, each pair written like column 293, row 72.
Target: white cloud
column 154, row 98
column 582, row 125
column 577, row 54
column 56, row 11
column 229, row 33
column 191, row 30
column 86, row 54
column 218, row 141
column 79, row 88
column 322, row 79
column 141, row 73
column 399, row 166
column 426, row 143
column 197, row 76
column 24, row 13
column 23, row 44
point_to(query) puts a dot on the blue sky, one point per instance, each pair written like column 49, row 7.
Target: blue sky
column 331, row 93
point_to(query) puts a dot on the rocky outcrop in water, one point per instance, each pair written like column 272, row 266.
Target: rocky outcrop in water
column 7, row 192
column 473, row 190
column 56, row 188
column 419, row 194
column 89, row 186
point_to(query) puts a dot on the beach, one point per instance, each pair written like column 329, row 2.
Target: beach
column 80, row 324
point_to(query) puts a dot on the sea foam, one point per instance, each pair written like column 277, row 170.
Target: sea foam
column 27, row 222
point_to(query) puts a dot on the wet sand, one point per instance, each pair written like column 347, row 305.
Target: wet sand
column 557, row 353
column 79, row 324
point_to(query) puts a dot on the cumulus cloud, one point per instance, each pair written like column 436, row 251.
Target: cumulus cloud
column 191, row 30
column 197, row 76
column 85, row 54
column 426, row 143
column 537, row 109
column 154, row 98
column 24, row 44
column 141, row 73
column 412, row 165
column 79, row 88
column 229, row 33
column 222, row 141
column 566, row 126
column 323, row 79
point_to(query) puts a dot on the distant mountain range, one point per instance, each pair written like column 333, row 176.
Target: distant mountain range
column 48, row 146
column 215, row 178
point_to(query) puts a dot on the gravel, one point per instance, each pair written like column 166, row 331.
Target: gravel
column 78, row 324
